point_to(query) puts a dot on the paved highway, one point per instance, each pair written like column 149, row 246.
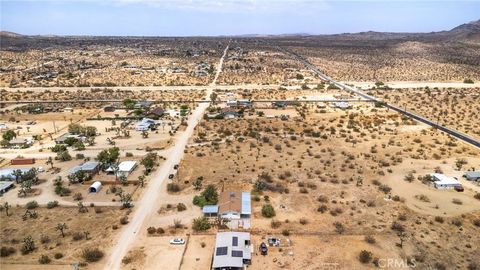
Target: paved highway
column 454, row 133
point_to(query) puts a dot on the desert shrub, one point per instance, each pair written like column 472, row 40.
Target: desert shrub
column 44, row 239
column 77, row 236
column 397, row 227
column 160, row 230
column 31, row 205
column 202, row 244
column 124, row 220
column 98, row 210
column 173, row 187
column 384, row 188
column 365, row 256
column 201, row 224
column 126, row 260
column 181, row 207
column 285, row 232
column 457, row 201
column 477, row 196
column 439, row 266
column 402, row 217
column 151, row 230
column 58, row 255
column 439, row 219
column 473, row 266
column 322, row 199
column 268, row 211
column 6, row 251
column 468, row 81
column 370, row 239
column 52, row 204
column 322, row 208
column 44, row 259
column 77, row 196
column 303, row 221
column 457, row 222
column 339, row 228
column 92, row 254
column 275, row 224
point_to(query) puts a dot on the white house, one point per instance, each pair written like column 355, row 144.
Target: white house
column 125, row 168
column 233, row 250
column 441, row 181
column 145, row 124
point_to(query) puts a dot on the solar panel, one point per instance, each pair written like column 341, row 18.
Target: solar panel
column 221, row 251
column 237, row 253
column 234, row 241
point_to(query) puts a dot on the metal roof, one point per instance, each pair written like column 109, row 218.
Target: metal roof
column 5, row 185
column 246, row 203
column 8, row 173
column 226, row 255
column 210, row 209
column 90, row 165
column 472, row 174
column 441, row 179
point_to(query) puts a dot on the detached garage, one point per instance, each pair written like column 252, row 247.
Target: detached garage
column 95, row 187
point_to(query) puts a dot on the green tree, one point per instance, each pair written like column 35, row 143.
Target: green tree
column 201, row 224
column 210, row 194
column 108, row 156
column 9, row 135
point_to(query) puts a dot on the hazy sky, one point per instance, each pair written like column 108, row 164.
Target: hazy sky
column 230, row 17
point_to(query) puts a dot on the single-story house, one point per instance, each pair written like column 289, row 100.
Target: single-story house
column 125, row 168
column 229, row 113
column 155, row 113
column 472, row 175
column 95, row 187
column 441, row 181
column 9, row 174
column 90, row 168
column 3, row 126
column 63, row 137
column 21, row 142
column 5, row 186
column 239, row 103
column 233, row 206
column 341, row 105
column 145, row 124
column 233, row 251
column 142, row 104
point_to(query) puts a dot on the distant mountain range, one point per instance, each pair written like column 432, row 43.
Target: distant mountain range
column 465, row 32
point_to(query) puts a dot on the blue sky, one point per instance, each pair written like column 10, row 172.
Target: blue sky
column 230, row 17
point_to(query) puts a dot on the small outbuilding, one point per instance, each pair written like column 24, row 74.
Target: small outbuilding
column 125, row 168
column 95, row 187
column 472, row 175
column 5, row 186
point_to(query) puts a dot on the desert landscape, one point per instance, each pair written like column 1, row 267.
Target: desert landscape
column 150, row 152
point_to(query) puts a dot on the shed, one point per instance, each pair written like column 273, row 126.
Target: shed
column 472, row 176
column 95, row 187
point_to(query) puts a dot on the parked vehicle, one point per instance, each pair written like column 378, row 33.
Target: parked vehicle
column 171, row 176
column 177, row 241
column 459, row 188
column 263, row 249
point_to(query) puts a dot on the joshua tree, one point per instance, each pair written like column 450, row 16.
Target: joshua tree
column 125, row 198
column 6, row 206
column 141, row 180
column 61, row 227
column 28, row 244
column 87, row 233
column 50, row 161
column 82, row 208
column 17, row 173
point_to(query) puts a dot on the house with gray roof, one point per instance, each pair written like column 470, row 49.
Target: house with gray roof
column 233, row 250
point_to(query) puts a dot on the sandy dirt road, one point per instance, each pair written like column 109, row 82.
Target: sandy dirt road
column 147, row 204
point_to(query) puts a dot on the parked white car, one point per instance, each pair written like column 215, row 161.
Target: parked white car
column 177, row 241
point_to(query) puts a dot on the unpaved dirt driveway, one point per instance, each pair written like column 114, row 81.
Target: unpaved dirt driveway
column 150, row 200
